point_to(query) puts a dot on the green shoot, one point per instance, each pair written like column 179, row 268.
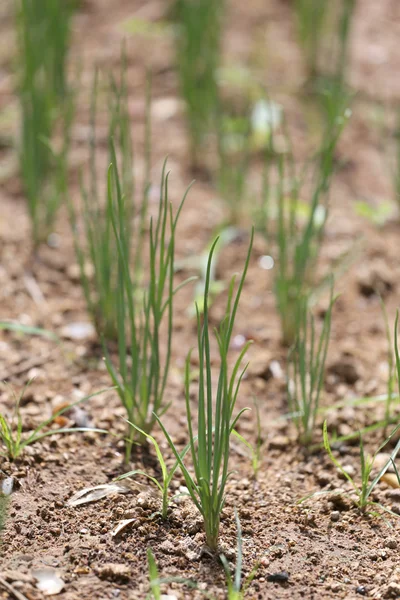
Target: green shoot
column 198, row 42
column 311, row 16
column 298, row 238
column 4, row 504
column 306, row 369
column 46, row 102
column 391, row 376
column 11, row 429
column 324, row 31
column 364, row 490
column 143, row 370
column 234, row 149
column 98, row 249
column 154, row 577
column 237, row 591
column 216, row 421
column 256, row 454
column 166, row 476
column 396, row 165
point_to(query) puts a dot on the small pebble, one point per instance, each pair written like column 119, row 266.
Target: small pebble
column 335, row 516
column 281, row 577
column 391, row 543
column 361, row 590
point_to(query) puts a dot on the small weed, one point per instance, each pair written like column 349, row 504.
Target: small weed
column 166, row 475
column 11, row 430
column 364, row 491
column 210, row 447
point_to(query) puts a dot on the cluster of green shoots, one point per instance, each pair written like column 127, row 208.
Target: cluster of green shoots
column 210, row 446
column 198, row 44
column 324, row 27
column 299, row 232
column 142, row 370
column 215, row 415
column 46, row 107
column 96, row 246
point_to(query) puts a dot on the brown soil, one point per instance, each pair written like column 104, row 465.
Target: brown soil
column 328, row 549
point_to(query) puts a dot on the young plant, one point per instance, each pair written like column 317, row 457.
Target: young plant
column 198, row 47
column 210, row 448
column 97, row 246
column 236, row 590
column 155, row 586
column 391, row 376
column 396, row 162
column 234, row 152
column 364, row 490
column 166, row 476
column 46, row 104
column 311, row 16
column 11, row 430
column 298, row 239
column 143, row 370
column 306, row 369
column 4, row 505
column 324, row 27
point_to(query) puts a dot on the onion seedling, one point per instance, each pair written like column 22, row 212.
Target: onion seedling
column 142, row 369
column 198, row 48
column 46, row 103
column 311, row 16
column 98, row 248
column 306, row 369
column 11, row 430
column 363, row 492
column 298, row 239
column 210, row 448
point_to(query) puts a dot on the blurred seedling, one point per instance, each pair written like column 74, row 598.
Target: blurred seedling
column 47, row 107
column 364, row 489
column 96, row 246
column 167, row 476
column 239, row 138
column 198, row 50
column 299, row 233
column 324, row 32
column 306, row 370
column 236, row 589
column 12, row 435
column 396, row 162
column 210, row 448
column 377, row 215
column 311, row 16
column 142, row 371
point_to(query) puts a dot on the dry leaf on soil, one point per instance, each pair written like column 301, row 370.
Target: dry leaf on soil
column 93, row 494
